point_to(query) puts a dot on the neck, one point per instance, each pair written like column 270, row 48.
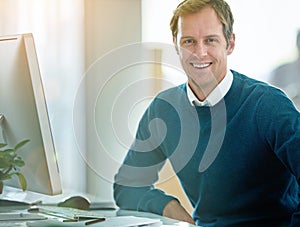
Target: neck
column 201, row 92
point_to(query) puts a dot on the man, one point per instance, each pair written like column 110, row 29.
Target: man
column 287, row 77
column 233, row 142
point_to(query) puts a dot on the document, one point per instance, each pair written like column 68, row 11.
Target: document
column 20, row 217
column 119, row 221
column 131, row 221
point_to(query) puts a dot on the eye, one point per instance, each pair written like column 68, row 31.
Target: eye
column 188, row 42
column 211, row 40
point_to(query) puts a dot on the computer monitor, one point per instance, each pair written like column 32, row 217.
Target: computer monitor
column 22, row 103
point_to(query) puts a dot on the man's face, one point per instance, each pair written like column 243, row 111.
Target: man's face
column 203, row 50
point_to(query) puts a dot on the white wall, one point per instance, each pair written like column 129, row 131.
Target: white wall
column 111, row 28
column 265, row 35
column 58, row 29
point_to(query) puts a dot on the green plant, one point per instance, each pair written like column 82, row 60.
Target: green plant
column 11, row 162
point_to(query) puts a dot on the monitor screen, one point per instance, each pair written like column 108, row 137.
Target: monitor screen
column 24, row 112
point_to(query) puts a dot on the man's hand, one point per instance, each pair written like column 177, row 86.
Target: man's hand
column 175, row 211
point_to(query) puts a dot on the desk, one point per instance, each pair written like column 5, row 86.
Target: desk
column 167, row 222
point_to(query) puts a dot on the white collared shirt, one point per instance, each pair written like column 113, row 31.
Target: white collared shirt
column 215, row 96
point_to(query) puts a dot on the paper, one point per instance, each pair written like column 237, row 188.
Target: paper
column 119, row 221
column 20, row 217
column 131, row 221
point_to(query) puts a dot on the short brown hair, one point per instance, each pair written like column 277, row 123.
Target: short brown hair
column 192, row 6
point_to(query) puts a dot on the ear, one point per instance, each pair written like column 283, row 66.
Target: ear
column 175, row 44
column 231, row 45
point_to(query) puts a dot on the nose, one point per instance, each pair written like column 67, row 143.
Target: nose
column 200, row 49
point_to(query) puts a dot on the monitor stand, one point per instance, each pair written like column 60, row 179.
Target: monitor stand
column 6, row 202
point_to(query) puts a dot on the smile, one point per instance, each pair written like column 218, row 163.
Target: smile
column 200, row 66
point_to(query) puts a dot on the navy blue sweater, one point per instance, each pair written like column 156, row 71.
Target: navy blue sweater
column 238, row 161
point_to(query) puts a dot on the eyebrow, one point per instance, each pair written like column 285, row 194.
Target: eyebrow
column 186, row 37
column 207, row 36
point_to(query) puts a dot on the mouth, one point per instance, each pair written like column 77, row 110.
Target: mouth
column 200, row 66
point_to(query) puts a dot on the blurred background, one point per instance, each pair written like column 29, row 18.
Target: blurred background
column 78, row 40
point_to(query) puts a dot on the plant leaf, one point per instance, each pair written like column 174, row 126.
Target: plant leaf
column 8, row 150
column 4, row 176
column 3, row 145
column 19, row 162
column 22, row 180
column 11, row 161
column 21, row 144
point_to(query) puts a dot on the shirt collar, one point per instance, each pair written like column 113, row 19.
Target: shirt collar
column 215, row 96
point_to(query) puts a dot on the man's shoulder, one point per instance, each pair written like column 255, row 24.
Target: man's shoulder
column 244, row 81
column 173, row 92
column 255, row 88
column 245, row 78
column 174, row 97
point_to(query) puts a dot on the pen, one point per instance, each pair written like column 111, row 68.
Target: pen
column 95, row 221
column 70, row 220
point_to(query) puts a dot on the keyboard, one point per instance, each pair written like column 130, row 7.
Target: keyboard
column 11, row 224
column 66, row 212
column 18, row 219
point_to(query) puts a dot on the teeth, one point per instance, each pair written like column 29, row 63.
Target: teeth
column 200, row 66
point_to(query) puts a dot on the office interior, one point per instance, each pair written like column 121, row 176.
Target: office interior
column 74, row 38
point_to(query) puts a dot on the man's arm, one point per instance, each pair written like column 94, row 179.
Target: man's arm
column 133, row 187
column 150, row 200
column 283, row 135
column 155, row 141
column 140, row 198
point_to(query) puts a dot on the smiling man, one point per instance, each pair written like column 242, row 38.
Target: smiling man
column 233, row 142
column 203, row 50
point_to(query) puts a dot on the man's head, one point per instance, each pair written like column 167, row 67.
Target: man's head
column 192, row 6
column 203, row 37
